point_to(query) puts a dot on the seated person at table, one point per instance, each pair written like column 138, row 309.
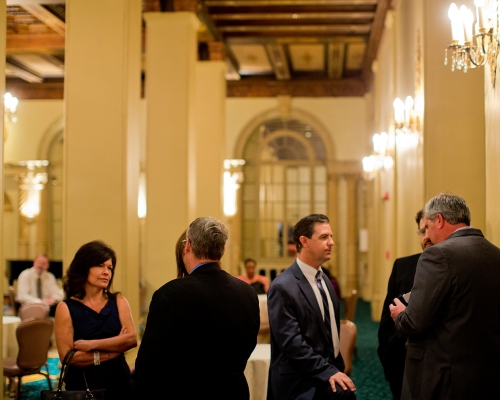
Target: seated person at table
column 258, row 282
column 37, row 284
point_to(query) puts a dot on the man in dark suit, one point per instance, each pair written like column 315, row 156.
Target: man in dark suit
column 453, row 316
column 304, row 319
column 201, row 329
column 392, row 346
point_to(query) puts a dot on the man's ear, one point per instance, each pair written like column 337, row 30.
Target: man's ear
column 303, row 241
column 440, row 221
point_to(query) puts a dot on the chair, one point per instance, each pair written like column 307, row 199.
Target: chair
column 33, row 338
column 350, row 305
column 348, row 336
column 12, row 299
column 33, row 310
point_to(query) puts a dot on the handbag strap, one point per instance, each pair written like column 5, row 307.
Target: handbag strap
column 65, row 365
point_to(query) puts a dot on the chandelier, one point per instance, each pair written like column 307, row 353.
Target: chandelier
column 407, row 121
column 474, row 44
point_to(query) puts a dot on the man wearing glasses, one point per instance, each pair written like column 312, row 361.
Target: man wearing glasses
column 392, row 347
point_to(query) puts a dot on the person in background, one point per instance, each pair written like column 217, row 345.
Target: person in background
column 37, row 284
column 97, row 323
column 452, row 318
column 201, row 329
column 391, row 346
column 179, row 253
column 258, row 282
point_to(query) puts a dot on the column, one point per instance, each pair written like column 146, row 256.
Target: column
column 333, row 210
column 171, row 153
column 352, row 231
column 210, row 137
column 3, row 34
column 101, row 143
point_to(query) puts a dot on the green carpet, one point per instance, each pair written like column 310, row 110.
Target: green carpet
column 367, row 373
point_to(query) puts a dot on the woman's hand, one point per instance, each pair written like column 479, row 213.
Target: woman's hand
column 85, row 345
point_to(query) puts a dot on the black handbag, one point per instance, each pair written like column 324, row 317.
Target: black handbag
column 60, row 394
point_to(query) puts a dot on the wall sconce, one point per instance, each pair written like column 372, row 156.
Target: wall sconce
column 468, row 49
column 32, row 183
column 142, row 208
column 10, row 107
column 233, row 177
column 382, row 144
column 407, row 121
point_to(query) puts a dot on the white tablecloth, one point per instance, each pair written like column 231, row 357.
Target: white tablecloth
column 257, row 370
column 10, row 346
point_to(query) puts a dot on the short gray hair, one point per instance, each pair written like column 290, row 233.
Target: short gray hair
column 208, row 237
column 453, row 209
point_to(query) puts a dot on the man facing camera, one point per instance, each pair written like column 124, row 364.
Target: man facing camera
column 38, row 285
column 452, row 319
column 201, row 329
column 304, row 319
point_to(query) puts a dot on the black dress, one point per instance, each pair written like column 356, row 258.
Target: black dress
column 112, row 375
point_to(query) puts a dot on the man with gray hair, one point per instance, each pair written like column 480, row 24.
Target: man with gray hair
column 453, row 317
column 201, row 329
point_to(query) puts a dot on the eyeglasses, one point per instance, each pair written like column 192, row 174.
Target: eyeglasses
column 184, row 241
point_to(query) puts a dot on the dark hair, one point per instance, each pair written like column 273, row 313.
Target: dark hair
column 305, row 227
column 453, row 209
column 179, row 250
column 249, row 260
column 90, row 255
column 208, row 237
column 419, row 216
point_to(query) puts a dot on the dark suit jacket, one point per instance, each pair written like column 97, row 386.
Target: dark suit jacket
column 392, row 346
column 453, row 321
column 200, row 332
column 301, row 356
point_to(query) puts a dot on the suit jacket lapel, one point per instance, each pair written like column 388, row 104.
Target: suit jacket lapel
column 305, row 288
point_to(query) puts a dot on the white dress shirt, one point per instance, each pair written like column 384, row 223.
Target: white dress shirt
column 310, row 274
column 27, row 290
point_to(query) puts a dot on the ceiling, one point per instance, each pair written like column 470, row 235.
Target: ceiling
column 272, row 47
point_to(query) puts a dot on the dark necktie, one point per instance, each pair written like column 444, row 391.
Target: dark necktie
column 326, row 309
column 39, row 287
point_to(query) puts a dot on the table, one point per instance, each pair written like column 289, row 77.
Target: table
column 257, row 370
column 263, row 336
column 10, row 346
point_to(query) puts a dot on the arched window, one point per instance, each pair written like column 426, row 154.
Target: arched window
column 285, row 179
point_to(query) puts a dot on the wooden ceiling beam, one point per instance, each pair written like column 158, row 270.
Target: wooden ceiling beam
column 374, row 40
column 34, row 41
column 28, row 91
column 46, row 17
column 302, row 88
column 274, row 3
column 294, row 30
column 340, row 16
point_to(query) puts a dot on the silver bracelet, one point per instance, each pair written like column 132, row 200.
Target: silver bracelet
column 97, row 358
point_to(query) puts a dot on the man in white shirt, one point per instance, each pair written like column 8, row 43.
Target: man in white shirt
column 304, row 319
column 36, row 284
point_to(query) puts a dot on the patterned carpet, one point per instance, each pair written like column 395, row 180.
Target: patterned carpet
column 33, row 384
column 366, row 373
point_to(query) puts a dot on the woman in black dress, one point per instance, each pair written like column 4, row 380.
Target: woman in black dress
column 95, row 322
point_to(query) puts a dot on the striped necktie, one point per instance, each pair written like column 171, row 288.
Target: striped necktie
column 326, row 309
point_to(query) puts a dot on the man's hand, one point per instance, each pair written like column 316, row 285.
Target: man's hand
column 397, row 309
column 343, row 380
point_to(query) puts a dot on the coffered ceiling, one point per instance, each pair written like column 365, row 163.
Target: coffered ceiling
column 272, row 47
